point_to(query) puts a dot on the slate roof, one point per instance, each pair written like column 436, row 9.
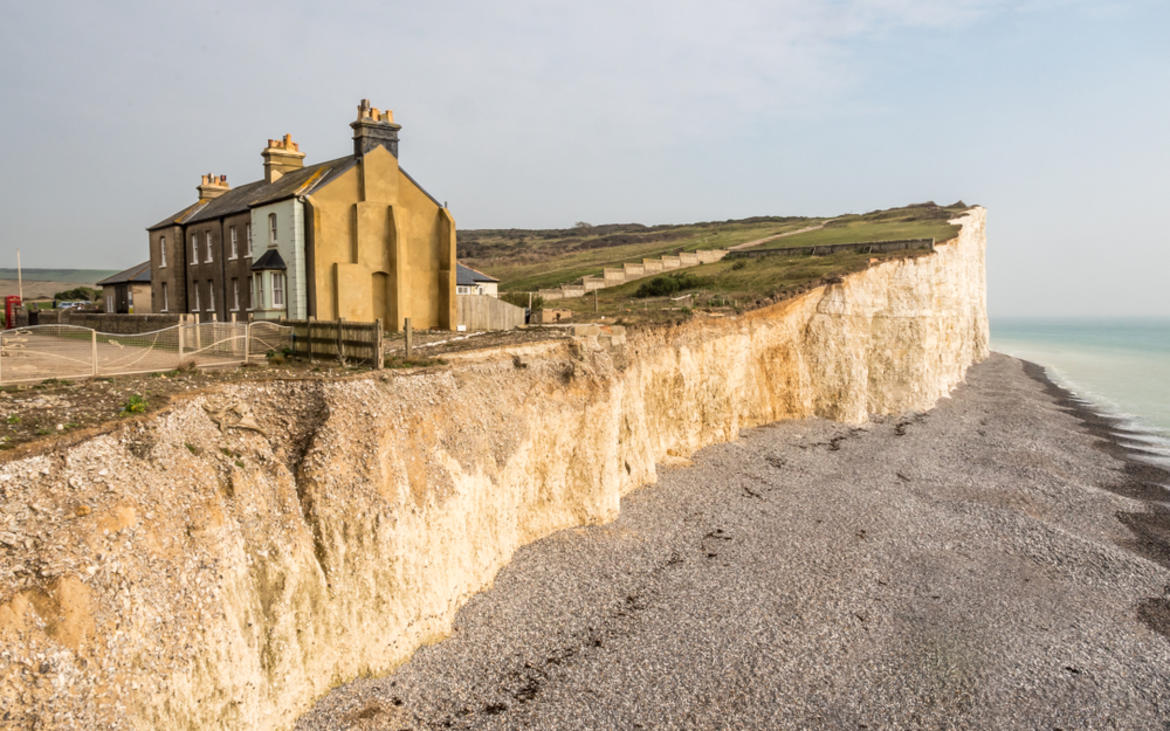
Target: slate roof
column 180, row 217
column 258, row 192
column 137, row 274
column 465, row 276
column 270, row 259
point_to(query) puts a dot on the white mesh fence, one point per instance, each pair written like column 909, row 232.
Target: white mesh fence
column 68, row 351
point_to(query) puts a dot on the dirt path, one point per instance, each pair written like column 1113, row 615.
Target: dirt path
column 995, row 563
column 786, row 234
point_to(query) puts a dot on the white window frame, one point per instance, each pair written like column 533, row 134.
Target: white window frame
column 163, row 292
column 235, row 251
column 235, row 294
column 196, row 307
column 210, row 295
column 109, row 303
column 272, row 230
column 162, row 252
column 207, row 243
column 248, row 237
column 194, row 248
column 259, row 304
column 278, row 290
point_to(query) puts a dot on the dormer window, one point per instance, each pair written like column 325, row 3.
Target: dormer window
column 272, row 229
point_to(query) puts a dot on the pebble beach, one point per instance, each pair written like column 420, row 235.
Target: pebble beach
column 1000, row 561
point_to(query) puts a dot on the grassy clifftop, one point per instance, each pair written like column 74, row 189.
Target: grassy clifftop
column 528, row 259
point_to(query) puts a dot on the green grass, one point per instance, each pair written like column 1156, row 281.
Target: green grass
column 922, row 221
column 728, row 285
column 527, row 260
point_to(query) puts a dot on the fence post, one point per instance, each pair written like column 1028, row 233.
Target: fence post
column 180, row 326
column 309, row 330
column 378, row 344
column 247, row 339
column 340, row 355
column 93, row 350
column 409, row 333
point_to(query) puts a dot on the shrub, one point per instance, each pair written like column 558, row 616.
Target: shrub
column 668, row 285
column 134, row 405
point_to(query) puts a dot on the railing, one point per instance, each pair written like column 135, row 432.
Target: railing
column 39, row 352
column 862, row 247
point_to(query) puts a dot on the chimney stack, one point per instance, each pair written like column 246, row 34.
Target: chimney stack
column 280, row 157
column 374, row 127
column 212, row 186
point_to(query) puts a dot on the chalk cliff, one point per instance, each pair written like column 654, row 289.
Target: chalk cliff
column 176, row 572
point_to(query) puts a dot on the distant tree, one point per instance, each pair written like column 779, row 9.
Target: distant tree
column 78, row 293
column 582, row 224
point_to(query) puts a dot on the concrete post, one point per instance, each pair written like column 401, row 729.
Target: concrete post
column 378, row 335
column 409, row 336
column 93, row 350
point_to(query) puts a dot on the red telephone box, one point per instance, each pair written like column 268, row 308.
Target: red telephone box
column 11, row 302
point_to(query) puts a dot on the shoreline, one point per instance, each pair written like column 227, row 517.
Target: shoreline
column 1145, row 482
column 1000, row 560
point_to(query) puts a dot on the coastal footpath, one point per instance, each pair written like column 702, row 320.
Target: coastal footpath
column 228, row 560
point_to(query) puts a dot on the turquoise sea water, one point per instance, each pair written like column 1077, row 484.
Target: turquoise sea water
column 1122, row 366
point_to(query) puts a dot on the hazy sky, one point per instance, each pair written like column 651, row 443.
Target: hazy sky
column 1055, row 114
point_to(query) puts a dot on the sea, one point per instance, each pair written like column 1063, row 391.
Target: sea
column 1121, row 366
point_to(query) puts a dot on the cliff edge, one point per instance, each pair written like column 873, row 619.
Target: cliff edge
column 226, row 561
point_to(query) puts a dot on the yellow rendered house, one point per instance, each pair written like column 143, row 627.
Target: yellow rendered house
column 354, row 238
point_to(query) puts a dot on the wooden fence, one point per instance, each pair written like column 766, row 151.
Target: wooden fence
column 861, row 247
column 484, row 312
column 337, row 339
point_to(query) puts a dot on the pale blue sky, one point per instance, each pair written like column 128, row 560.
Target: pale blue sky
column 1055, row 114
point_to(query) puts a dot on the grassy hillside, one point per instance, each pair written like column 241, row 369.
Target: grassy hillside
column 73, row 276
column 525, row 260
column 528, row 259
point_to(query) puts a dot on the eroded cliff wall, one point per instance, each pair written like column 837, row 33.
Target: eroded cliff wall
column 180, row 571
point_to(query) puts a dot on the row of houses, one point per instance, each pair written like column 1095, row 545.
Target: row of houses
column 355, row 237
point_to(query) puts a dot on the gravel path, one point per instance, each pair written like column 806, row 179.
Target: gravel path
column 997, row 562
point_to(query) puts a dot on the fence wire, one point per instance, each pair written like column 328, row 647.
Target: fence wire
column 39, row 352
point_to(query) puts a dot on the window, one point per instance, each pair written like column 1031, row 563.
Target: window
column 272, row 229
column 109, row 303
column 252, row 292
column 235, row 249
column 164, row 297
column 278, row 289
column 248, row 237
column 235, row 293
column 194, row 249
column 196, row 307
column 210, row 295
column 162, row 252
column 207, row 243
column 258, row 303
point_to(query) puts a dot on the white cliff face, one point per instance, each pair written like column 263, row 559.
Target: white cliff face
column 169, row 575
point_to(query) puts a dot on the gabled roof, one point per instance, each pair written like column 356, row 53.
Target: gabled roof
column 465, row 276
column 270, row 259
column 181, row 216
column 137, row 274
column 258, row 192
